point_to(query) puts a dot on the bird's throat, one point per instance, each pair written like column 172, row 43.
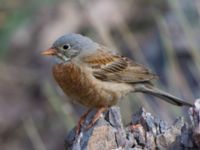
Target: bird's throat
column 62, row 58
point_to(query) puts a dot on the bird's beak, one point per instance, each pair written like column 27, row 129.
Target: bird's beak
column 49, row 52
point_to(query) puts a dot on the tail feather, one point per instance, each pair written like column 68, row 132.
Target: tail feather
column 148, row 89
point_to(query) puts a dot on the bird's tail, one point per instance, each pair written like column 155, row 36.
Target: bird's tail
column 148, row 89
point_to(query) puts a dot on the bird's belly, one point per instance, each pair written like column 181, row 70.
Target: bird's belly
column 81, row 87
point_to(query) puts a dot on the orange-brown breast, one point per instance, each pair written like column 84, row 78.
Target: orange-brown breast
column 79, row 86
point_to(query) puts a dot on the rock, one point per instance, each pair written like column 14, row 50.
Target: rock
column 144, row 132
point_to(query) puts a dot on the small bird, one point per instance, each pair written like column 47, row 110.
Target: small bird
column 97, row 77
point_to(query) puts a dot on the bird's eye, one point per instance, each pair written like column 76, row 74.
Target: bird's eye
column 66, row 46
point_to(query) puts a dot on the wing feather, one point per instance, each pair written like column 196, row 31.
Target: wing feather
column 107, row 66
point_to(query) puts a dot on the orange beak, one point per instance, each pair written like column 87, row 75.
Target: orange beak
column 49, row 52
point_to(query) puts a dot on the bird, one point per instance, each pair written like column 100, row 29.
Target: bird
column 97, row 77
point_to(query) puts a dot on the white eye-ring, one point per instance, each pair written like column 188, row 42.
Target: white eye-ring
column 66, row 47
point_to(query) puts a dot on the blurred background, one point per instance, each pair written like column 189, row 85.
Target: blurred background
column 162, row 35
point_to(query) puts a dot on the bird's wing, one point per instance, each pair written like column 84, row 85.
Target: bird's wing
column 107, row 66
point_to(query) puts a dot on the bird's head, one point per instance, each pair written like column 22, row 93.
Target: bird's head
column 70, row 46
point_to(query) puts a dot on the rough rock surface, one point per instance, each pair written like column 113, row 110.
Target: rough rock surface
column 144, row 132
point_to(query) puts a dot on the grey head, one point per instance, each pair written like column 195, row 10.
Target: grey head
column 72, row 45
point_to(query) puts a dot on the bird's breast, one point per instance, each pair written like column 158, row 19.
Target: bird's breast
column 80, row 86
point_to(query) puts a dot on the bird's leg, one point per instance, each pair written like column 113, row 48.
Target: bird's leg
column 96, row 117
column 81, row 120
column 133, row 127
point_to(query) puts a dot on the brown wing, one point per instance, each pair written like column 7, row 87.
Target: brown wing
column 112, row 67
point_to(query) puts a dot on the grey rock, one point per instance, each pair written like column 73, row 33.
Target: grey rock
column 145, row 132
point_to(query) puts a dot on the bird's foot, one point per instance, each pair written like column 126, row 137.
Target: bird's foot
column 81, row 121
column 92, row 122
column 135, row 127
column 96, row 117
